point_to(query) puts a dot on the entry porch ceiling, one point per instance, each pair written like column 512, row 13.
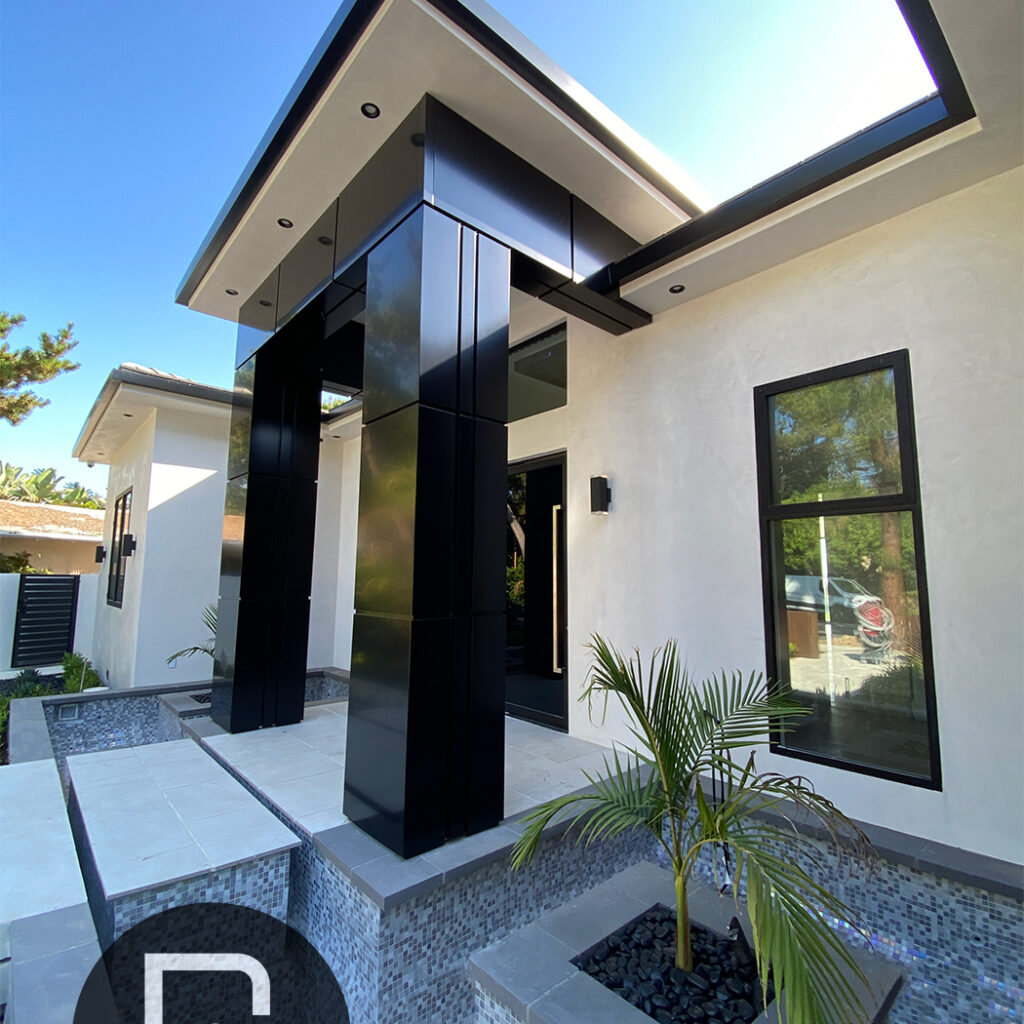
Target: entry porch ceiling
column 401, row 50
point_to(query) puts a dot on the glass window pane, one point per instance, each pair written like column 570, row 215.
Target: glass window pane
column 839, row 439
column 537, row 375
column 850, row 639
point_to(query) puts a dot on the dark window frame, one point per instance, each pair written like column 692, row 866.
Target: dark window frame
column 772, row 512
column 119, row 530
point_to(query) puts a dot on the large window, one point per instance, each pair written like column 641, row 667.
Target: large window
column 846, row 609
column 121, row 546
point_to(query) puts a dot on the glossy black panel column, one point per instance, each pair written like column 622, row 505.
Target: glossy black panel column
column 263, row 613
column 426, row 729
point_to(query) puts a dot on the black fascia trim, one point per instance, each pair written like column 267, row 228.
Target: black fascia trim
column 346, row 28
column 770, row 513
column 933, row 115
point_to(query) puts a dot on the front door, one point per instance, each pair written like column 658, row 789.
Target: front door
column 535, row 673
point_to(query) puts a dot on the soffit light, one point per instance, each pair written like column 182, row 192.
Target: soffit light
column 231, row 291
column 285, row 222
column 325, row 240
column 370, row 110
column 265, row 302
column 677, row 289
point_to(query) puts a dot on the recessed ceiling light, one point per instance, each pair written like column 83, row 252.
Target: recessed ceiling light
column 127, row 415
column 265, row 302
column 231, row 291
column 370, row 110
column 325, row 240
column 285, row 222
column 677, row 289
column 418, row 139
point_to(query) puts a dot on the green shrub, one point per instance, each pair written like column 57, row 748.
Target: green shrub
column 79, row 673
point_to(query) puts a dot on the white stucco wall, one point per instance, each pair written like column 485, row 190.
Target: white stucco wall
column 337, row 510
column 176, row 463
column 115, row 633
column 326, row 542
column 182, row 561
column 667, row 413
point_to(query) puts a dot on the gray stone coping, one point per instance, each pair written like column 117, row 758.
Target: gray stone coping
column 329, row 672
column 28, row 736
column 39, row 869
column 127, row 692
column 390, row 880
column 183, row 705
column 164, row 812
column 530, row 971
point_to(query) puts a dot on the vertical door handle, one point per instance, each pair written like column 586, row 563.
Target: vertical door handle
column 555, row 667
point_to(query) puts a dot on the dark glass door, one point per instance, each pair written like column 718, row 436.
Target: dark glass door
column 535, row 674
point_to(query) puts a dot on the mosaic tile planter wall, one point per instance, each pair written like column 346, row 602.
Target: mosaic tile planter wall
column 960, row 946
column 489, row 1011
column 261, row 884
column 321, row 687
column 407, row 965
column 258, row 884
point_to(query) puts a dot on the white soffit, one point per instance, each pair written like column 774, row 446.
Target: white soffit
column 408, row 50
column 985, row 40
column 128, row 409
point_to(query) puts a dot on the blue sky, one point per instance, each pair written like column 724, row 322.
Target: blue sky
column 123, row 126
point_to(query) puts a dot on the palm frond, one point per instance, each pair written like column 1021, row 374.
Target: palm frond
column 621, row 800
column 793, row 940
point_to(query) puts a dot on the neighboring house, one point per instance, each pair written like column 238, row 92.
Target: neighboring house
column 165, row 439
column 59, row 538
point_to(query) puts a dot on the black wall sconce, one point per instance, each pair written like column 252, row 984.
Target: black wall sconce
column 101, row 552
column 600, row 495
column 128, row 545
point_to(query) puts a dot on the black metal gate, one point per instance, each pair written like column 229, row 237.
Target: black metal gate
column 44, row 630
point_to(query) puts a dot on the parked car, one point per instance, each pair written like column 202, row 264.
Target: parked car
column 851, row 608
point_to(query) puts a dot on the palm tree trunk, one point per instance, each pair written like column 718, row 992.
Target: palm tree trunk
column 684, row 954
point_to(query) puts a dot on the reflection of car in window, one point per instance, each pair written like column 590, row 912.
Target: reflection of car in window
column 851, row 608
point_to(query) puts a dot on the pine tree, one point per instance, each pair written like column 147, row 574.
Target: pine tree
column 29, row 365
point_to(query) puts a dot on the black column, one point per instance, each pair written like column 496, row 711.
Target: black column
column 425, row 752
column 263, row 612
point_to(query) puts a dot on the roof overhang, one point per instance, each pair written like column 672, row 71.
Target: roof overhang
column 128, row 396
column 391, row 53
column 857, row 183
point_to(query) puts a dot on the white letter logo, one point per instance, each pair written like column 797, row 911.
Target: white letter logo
column 158, row 963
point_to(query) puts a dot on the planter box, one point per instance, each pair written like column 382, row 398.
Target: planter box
column 529, row 977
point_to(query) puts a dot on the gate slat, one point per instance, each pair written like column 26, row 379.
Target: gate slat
column 44, row 628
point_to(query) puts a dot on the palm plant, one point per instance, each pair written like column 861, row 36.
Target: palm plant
column 685, row 731
column 209, row 617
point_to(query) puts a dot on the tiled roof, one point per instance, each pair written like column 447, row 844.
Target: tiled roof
column 33, row 519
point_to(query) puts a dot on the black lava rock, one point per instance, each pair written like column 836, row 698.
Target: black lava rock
column 638, row 963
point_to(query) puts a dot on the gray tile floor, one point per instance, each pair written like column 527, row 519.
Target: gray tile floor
column 183, row 815
column 301, row 768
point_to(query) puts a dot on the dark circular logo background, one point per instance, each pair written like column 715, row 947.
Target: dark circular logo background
column 302, row 988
